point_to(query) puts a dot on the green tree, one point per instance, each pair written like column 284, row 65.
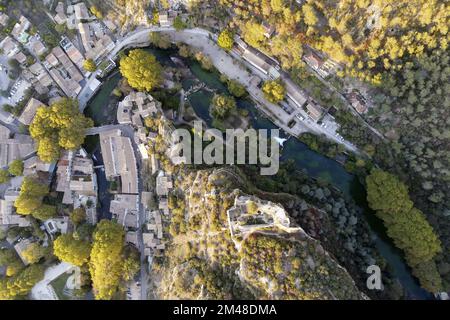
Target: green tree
column 89, row 65
column 428, row 276
column 274, row 91
column 61, row 125
column 406, row 225
column 178, row 23
column 16, row 167
column 222, row 105
column 141, row 70
column 11, row 261
column 106, row 259
column 70, row 250
column 78, row 216
column 4, row 176
column 226, row 39
column 236, row 89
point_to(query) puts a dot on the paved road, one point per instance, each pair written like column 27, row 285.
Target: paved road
column 42, row 290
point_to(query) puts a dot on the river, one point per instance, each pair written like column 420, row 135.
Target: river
column 102, row 108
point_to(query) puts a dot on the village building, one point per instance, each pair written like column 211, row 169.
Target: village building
column 4, row 19
column 76, row 177
column 20, row 57
column 20, row 28
column 9, row 46
column 81, row 12
column 119, row 160
column 135, row 106
column 95, row 41
column 22, row 246
column 163, row 184
column 38, row 47
column 314, row 110
column 30, row 110
column 257, row 59
column 8, row 215
column 64, row 72
column 124, row 209
column 295, row 96
column 165, row 20
column 268, row 30
column 357, row 102
column 323, row 67
column 60, row 17
column 57, row 225
column 14, row 146
column 34, row 165
column 72, row 52
column 132, row 238
column 41, row 75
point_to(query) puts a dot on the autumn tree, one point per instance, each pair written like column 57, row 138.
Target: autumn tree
column 78, row 216
column 226, row 39
column 70, row 250
column 30, row 200
column 89, row 65
column 309, row 14
column 141, row 70
column 274, row 90
column 253, row 34
column 20, row 285
column 61, row 125
column 16, row 167
column 106, row 263
column 34, row 252
column 222, row 105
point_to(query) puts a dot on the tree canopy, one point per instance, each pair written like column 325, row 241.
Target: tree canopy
column 89, row 65
column 70, row 250
column 274, row 91
column 4, row 176
column 406, row 225
column 222, row 105
column 61, row 125
column 226, row 39
column 16, row 167
column 106, row 259
column 30, row 200
column 141, row 69
column 21, row 284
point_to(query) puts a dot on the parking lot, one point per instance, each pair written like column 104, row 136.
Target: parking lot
column 17, row 91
